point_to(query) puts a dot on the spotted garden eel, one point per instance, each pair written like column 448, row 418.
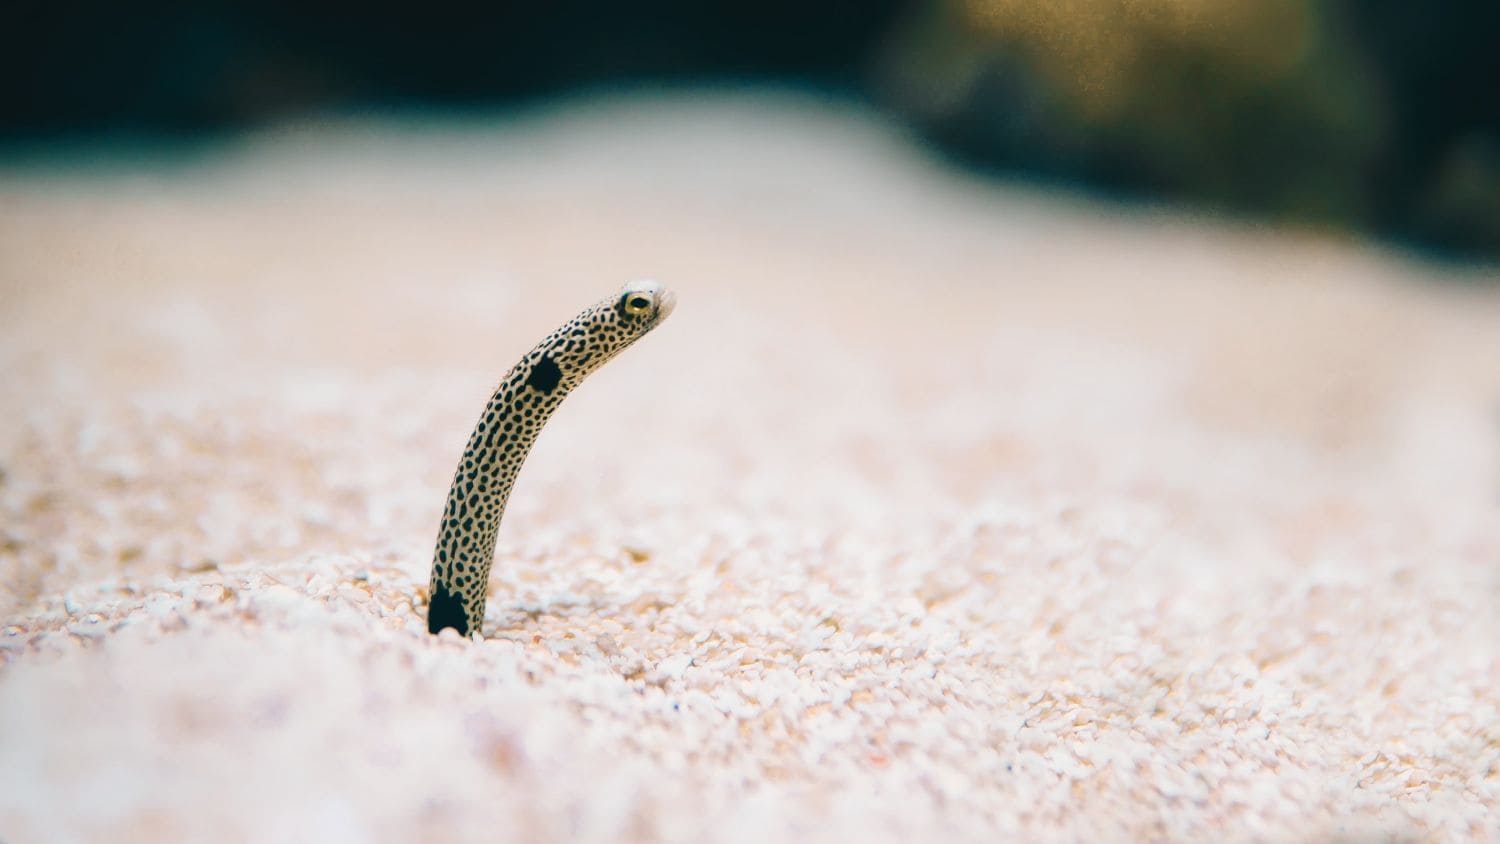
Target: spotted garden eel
column 521, row 405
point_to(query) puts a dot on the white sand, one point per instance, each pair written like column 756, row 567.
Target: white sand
column 938, row 511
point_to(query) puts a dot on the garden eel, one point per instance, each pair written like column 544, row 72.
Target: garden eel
column 526, row 397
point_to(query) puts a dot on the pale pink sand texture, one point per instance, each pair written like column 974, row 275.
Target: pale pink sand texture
column 938, row 511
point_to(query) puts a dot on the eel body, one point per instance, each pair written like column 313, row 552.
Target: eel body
column 522, row 403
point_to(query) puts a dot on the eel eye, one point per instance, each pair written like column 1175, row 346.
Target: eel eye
column 636, row 304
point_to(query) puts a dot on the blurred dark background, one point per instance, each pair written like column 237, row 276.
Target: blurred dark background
column 1378, row 115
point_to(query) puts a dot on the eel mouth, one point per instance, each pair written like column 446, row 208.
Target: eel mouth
column 666, row 300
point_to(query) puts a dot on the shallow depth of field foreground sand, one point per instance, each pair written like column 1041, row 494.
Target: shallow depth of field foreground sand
column 937, row 511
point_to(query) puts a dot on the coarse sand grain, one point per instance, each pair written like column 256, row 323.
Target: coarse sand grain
column 940, row 511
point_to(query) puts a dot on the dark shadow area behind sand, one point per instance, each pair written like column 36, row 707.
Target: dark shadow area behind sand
column 1377, row 116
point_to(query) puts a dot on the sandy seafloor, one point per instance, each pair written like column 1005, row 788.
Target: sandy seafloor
column 938, row 511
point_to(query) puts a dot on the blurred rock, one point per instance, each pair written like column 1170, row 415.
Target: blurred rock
column 1282, row 107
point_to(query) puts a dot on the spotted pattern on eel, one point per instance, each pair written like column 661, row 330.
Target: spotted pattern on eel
column 522, row 403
